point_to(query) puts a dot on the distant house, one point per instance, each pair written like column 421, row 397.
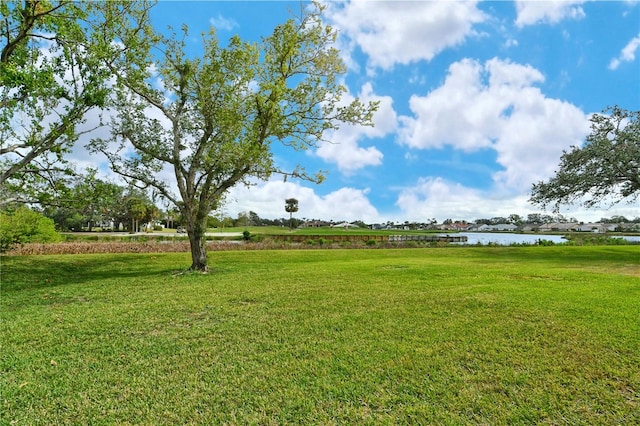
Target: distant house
column 570, row 226
column 589, row 227
column 150, row 226
column 503, row 227
column 558, row 227
column 456, row 226
column 480, row 228
column 344, row 225
column 627, row 227
column 597, row 227
column 612, row 227
column 500, row 227
column 314, row 224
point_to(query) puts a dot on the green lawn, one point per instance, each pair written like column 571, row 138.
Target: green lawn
column 325, row 230
column 533, row 335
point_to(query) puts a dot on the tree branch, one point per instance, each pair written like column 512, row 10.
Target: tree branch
column 30, row 16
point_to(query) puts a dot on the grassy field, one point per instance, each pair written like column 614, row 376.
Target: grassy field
column 530, row 335
column 223, row 233
column 325, row 230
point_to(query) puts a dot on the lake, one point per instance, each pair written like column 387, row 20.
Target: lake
column 505, row 239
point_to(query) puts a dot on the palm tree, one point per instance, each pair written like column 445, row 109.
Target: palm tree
column 291, row 207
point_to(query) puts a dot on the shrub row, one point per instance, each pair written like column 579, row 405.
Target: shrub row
column 252, row 243
column 183, row 246
column 99, row 247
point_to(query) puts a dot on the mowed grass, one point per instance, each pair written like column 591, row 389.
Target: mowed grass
column 323, row 230
column 544, row 335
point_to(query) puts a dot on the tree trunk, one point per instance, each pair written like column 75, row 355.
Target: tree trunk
column 198, row 243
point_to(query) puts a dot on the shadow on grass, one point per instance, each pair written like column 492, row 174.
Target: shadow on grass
column 38, row 272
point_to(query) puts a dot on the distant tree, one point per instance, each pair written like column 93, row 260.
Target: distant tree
column 535, row 219
column 213, row 222
column 226, row 222
column 254, row 219
column 249, row 218
column 498, row 219
column 97, row 200
column 614, row 219
column 136, row 210
column 84, row 200
column 243, row 220
column 66, row 218
column 152, row 214
column 275, row 222
column 291, row 206
column 172, row 215
column 221, row 112
column 51, row 76
column 558, row 218
column 515, row 219
column 361, row 224
column 607, row 167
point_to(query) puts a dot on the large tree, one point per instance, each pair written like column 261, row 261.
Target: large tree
column 52, row 75
column 216, row 117
column 605, row 168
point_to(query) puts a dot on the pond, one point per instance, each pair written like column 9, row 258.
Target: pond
column 505, row 239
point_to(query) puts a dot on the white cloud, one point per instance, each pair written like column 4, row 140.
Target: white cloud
column 511, row 43
column 466, row 111
column 343, row 148
column 391, row 34
column 442, row 199
column 628, row 53
column 221, row 23
column 552, row 11
column 267, row 199
column 346, row 154
column 532, row 139
column 497, row 106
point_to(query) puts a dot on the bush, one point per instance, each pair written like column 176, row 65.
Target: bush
column 24, row 225
column 596, row 240
column 257, row 238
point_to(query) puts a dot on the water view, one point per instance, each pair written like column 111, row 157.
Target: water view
column 506, row 239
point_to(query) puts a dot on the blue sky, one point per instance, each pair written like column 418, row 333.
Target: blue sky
column 477, row 101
